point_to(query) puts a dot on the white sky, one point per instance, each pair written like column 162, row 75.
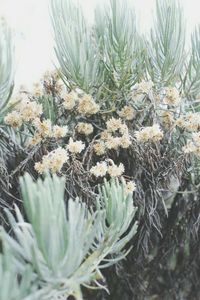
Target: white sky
column 33, row 37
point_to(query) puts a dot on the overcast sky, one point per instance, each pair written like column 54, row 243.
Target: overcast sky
column 33, row 38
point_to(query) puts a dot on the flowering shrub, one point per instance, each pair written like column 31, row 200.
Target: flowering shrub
column 121, row 106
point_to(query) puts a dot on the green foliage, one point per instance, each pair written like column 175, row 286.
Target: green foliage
column 191, row 82
column 6, row 64
column 68, row 249
column 166, row 50
column 74, row 47
column 13, row 286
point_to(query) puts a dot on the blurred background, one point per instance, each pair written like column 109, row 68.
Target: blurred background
column 33, row 39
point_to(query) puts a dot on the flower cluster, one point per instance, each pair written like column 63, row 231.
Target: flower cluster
column 172, row 96
column 70, row 100
column 84, row 128
column 25, row 111
column 150, row 133
column 13, row 119
column 87, row 105
column 144, row 87
column 127, row 113
column 167, row 118
column 104, row 167
column 84, row 105
column 100, row 169
column 75, row 147
column 189, row 121
column 53, row 161
column 193, row 145
column 140, row 90
column 130, row 187
column 114, row 136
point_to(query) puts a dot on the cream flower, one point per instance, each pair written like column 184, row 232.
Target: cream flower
column 53, row 161
column 115, row 171
column 167, row 118
column 193, row 146
column 189, row 121
column 105, row 135
column 13, row 119
column 36, row 139
column 189, row 148
column 40, row 167
column 113, row 124
column 30, row 110
column 75, row 147
column 87, row 105
column 172, row 96
column 99, row 148
column 130, row 187
column 144, row 87
column 125, row 141
column 59, row 132
column 127, row 113
column 113, row 142
column 70, row 100
column 99, row 170
column 60, row 86
column 84, row 128
column 44, row 127
column 151, row 133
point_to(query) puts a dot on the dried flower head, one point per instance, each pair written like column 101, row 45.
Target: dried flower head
column 87, row 105
column 75, row 147
column 130, row 187
column 151, row 133
column 59, row 132
column 84, row 128
column 113, row 124
column 114, row 170
column 143, row 87
column 44, row 128
column 125, row 141
column 189, row 121
column 13, row 119
column 100, row 169
column 53, row 161
column 172, row 96
column 30, row 110
column 167, row 118
column 70, row 100
column 36, row 139
column 99, row 148
column 127, row 113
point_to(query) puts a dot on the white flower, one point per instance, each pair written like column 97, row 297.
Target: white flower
column 99, row 148
column 70, row 100
column 127, row 113
column 75, row 147
column 13, row 119
column 84, row 128
column 115, row 171
column 87, row 105
column 172, row 96
column 151, row 133
column 44, row 127
column 59, row 132
column 130, row 187
column 53, row 161
column 113, row 124
column 144, row 87
column 99, row 170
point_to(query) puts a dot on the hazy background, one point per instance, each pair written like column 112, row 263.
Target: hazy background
column 33, row 36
